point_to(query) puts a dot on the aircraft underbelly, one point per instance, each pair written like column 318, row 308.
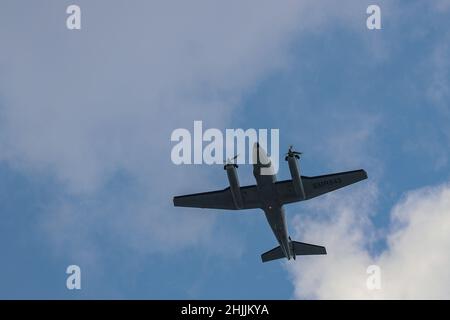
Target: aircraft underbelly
column 277, row 221
column 273, row 210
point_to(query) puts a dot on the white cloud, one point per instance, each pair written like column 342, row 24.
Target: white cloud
column 414, row 264
column 415, row 257
column 84, row 106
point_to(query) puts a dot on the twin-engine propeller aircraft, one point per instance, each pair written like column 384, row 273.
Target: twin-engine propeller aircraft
column 270, row 195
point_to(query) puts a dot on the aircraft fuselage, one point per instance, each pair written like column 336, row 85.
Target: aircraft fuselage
column 272, row 207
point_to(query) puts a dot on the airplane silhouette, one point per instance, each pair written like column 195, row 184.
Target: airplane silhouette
column 270, row 195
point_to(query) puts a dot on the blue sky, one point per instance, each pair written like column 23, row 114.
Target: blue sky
column 85, row 123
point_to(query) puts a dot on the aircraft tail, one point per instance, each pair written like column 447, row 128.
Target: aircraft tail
column 305, row 249
column 274, row 254
column 297, row 249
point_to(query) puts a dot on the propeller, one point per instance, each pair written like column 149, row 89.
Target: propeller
column 231, row 161
column 292, row 153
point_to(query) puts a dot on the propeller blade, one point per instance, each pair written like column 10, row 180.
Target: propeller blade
column 293, row 153
column 231, row 160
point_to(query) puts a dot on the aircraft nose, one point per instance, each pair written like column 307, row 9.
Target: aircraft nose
column 259, row 155
column 258, row 148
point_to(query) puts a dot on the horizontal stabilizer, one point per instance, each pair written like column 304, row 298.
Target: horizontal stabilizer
column 297, row 249
column 304, row 249
column 274, row 254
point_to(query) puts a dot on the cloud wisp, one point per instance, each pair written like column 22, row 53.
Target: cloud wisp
column 87, row 106
column 414, row 263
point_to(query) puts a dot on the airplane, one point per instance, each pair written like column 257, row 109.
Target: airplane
column 271, row 195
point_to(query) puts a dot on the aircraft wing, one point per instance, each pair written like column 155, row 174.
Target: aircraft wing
column 316, row 186
column 221, row 199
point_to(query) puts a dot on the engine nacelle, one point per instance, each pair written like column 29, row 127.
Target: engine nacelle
column 296, row 177
column 234, row 185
